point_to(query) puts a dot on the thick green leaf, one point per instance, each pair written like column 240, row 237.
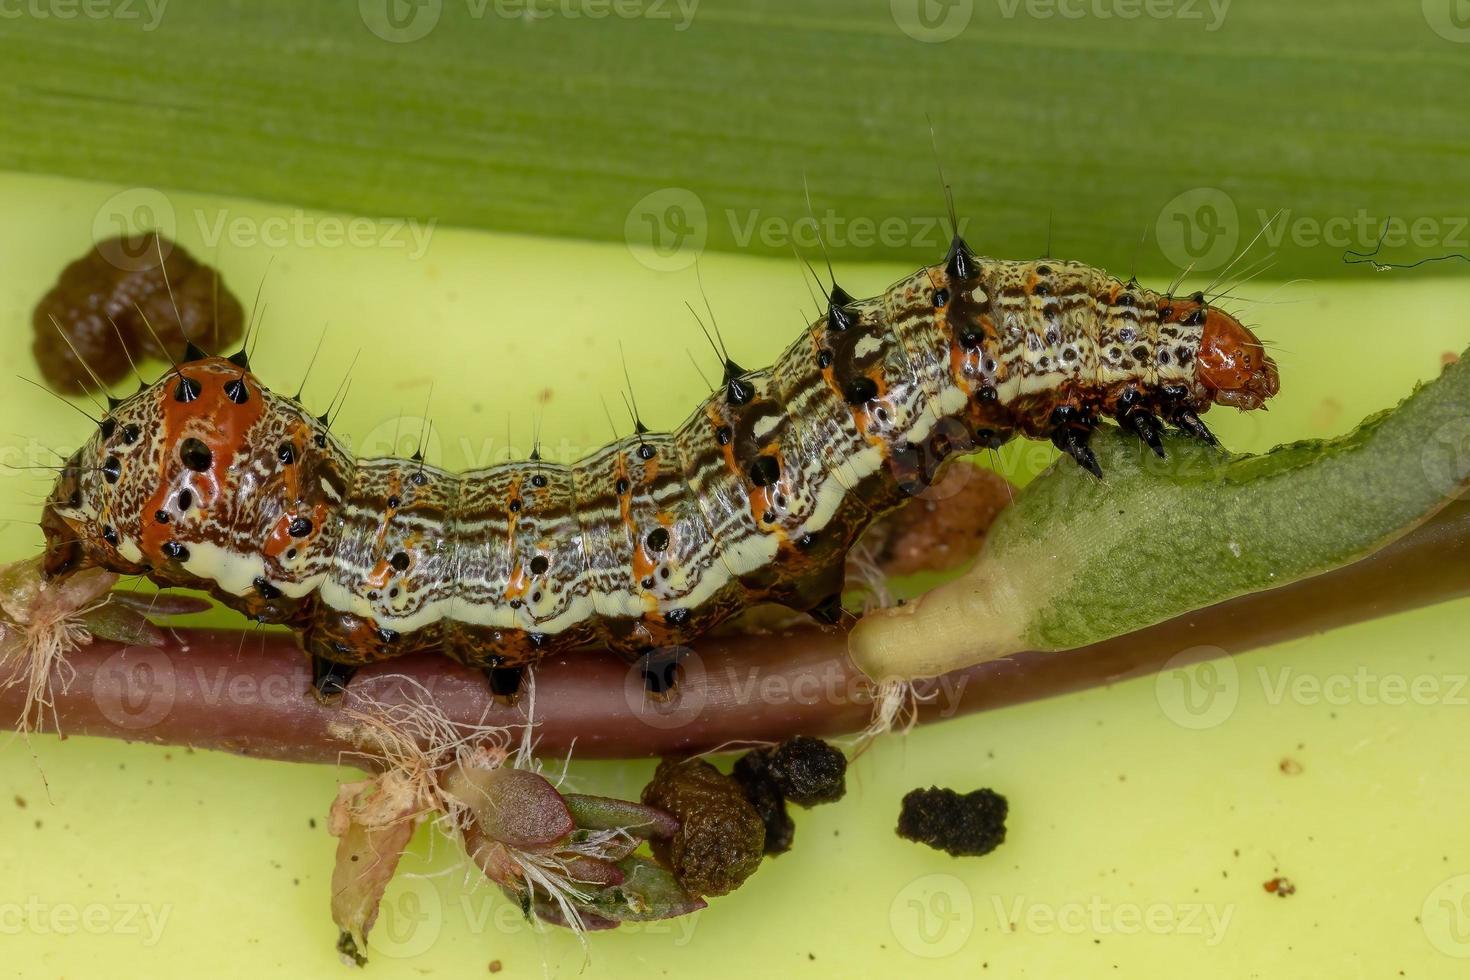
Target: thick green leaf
column 1078, row 122
column 121, row 624
column 648, row 892
column 606, row 813
column 1076, row 560
column 516, row 807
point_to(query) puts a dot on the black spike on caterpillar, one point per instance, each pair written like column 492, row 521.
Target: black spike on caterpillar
column 208, row 480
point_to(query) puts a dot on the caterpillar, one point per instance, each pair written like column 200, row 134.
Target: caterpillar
column 207, row 480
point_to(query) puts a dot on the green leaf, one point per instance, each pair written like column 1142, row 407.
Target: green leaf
column 543, row 116
column 606, row 813
column 648, row 892
column 1076, row 560
column 121, row 624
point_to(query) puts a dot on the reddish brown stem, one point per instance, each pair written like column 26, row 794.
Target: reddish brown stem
column 246, row 693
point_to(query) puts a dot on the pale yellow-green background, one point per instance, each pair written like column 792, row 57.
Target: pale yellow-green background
column 1145, row 818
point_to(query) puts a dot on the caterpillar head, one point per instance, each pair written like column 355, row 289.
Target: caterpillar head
column 64, row 523
column 1232, row 364
column 81, row 519
column 155, row 466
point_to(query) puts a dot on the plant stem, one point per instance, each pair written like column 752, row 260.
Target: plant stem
column 246, row 692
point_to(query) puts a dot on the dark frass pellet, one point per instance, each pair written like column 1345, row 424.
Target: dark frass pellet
column 963, row 825
column 803, row 770
column 752, row 772
column 808, row 771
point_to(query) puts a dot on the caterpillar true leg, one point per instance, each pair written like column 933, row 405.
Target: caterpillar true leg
column 505, row 682
column 1189, row 422
column 1070, row 433
column 1131, row 415
column 660, row 670
column 329, row 679
column 828, row 611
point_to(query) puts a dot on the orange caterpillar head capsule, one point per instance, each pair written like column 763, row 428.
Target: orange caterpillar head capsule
column 1232, row 364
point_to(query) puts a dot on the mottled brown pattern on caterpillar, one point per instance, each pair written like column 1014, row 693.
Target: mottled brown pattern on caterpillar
column 121, row 281
column 208, row 480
